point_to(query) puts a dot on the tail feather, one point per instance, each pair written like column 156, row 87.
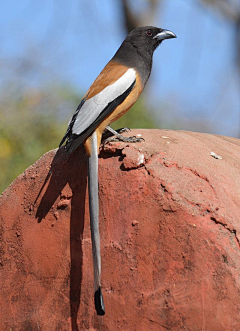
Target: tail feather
column 94, row 222
column 99, row 303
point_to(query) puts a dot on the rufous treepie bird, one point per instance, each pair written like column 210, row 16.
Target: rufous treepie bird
column 110, row 96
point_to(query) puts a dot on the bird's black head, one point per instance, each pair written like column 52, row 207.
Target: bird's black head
column 137, row 49
column 148, row 38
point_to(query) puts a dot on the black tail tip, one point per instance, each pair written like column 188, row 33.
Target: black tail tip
column 99, row 303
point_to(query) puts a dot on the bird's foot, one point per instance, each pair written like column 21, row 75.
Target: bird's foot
column 119, row 137
column 116, row 132
column 109, row 132
column 122, row 130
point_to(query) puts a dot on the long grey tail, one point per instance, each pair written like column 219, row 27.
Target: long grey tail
column 94, row 222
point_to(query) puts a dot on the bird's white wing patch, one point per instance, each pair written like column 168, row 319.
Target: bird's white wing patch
column 93, row 107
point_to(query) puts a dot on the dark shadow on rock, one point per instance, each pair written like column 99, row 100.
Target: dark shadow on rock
column 71, row 170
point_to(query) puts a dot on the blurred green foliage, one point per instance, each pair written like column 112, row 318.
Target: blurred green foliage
column 33, row 123
column 137, row 117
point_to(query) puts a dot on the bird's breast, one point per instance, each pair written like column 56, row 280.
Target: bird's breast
column 121, row 109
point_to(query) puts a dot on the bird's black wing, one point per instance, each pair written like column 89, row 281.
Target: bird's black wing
column 74, row 140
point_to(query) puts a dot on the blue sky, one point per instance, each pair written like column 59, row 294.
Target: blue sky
column 73, row 40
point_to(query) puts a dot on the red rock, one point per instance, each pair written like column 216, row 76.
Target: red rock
column 178, row 268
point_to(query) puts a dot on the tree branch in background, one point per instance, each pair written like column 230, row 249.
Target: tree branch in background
column 133, row 20
column 228, row 8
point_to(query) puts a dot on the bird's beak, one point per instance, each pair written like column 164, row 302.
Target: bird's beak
column 165, row 34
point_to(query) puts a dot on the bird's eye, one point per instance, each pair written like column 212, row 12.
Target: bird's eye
column 149, row 33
